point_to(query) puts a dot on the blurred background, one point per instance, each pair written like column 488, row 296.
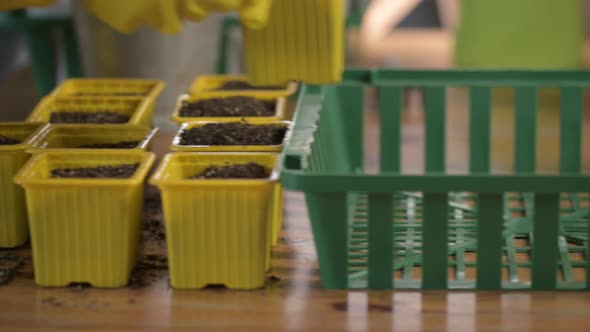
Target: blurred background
column 72, row 42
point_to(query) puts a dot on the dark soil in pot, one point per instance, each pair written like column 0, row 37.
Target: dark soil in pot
column 234, row 133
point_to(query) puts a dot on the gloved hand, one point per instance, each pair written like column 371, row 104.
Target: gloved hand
column 253, row 13
column 18, row 4
column 167, row 16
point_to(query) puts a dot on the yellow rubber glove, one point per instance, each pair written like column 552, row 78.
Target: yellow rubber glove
column 129, row 15
column 254, row 13
column 284, row 50
column 196, row 10
column 221, row 5
column 193, row 10
column 18, row 4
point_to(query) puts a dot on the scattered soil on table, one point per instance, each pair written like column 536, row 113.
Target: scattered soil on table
column 148, row 271
column 234, row 133
column 120, row 145
column 243, row 85
column 85, row 117
column 156, row 261
column 9, row 265
column 153, row 266
column 228, row 107
column 142, row 278
column 274, row 278
column 119, row 172
column 8, row 141
column 79, row 285
column 153, row 227
column 154, row 230
column 153, row 262
column 235, row 171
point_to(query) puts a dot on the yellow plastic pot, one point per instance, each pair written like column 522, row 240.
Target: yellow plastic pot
column 64, row 137
column 111, row 87
column 13, row 213
column 303, row 40
column 218, row 230
column 84, row 230
column 136, row 108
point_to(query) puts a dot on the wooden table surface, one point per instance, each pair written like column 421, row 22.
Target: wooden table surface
column 294, row 299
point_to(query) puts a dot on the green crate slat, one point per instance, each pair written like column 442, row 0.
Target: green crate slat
column 391, row 134
column 489, row 247
column 380, row 241
column 435, row 241
column 332, row 210
column 480, row 130
column 545, row 242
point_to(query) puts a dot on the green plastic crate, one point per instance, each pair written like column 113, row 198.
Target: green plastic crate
column 375, row 230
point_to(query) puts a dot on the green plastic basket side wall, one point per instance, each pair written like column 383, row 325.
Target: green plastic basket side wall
column 352, row 212
column 136, row 108
column 210, row 83
column 218, row 231
column 279, row 115
column 13, row 215
column 84, row 230
column 176, row 146
column 63, row 137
